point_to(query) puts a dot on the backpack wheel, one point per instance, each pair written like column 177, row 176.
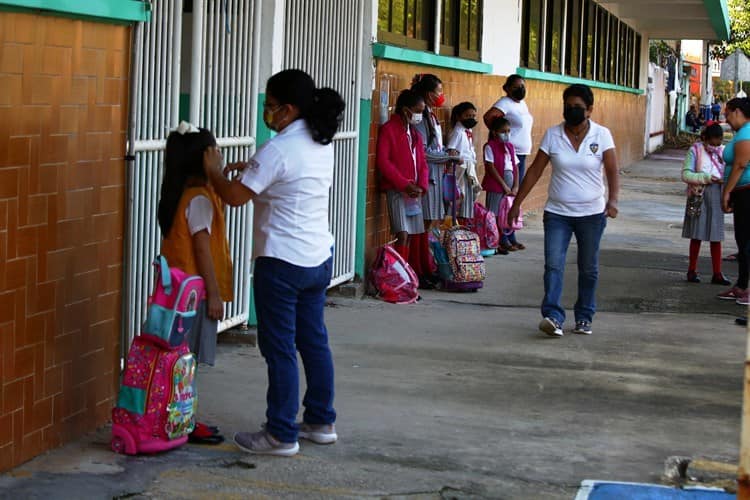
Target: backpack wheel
column 117, row 444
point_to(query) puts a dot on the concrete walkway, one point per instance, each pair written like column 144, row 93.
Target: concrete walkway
column 460, row 396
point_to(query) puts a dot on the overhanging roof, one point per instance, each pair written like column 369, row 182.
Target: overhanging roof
column 674, row 19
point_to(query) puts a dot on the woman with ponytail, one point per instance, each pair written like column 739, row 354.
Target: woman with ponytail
column 289, row 180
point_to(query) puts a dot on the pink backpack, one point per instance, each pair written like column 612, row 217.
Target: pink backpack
column 156, row 407
column 485, row 225
column 173, row 305
column 393, row 278
column 502, row 216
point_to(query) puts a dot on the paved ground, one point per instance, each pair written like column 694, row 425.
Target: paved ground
column 460, row 397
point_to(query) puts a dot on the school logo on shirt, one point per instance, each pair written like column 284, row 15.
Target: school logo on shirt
column 594, row 147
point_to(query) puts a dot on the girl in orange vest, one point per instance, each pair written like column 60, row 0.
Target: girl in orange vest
column 191, row 217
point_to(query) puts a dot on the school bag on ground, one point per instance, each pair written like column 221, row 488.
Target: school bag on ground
column 484, row 224
column 393, row 278
column 156, row 405
column 464, row 254
column 502, row 216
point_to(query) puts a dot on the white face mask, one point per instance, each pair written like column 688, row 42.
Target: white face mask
column 505, row 137
column 416, row 118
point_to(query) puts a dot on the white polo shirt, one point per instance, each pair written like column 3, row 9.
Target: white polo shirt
column 521, row 123
column 576, row 188
column 291, row 176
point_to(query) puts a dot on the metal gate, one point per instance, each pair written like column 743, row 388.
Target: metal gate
column 223, row 98
column 324, row 38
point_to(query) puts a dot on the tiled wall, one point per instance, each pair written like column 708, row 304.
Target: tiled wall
column 63, row 117
column 622, row 112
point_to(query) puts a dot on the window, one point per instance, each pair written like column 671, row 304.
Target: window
column 575, row 19
column 411, row 23
column 405, row 23
column 531, row 53
column 579, row 38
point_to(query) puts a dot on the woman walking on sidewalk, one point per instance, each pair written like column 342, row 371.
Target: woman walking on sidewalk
column 736, row 194
column 578, row 149
column 703, row 171
column 289, row 180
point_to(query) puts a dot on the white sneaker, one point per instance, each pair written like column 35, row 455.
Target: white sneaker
column 551, row 327
column 319, row 434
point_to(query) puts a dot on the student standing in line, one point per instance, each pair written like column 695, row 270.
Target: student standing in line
column 404, row 174
column 461, row 141
column 501, row 176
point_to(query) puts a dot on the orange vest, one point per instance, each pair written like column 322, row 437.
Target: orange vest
column 177, row 247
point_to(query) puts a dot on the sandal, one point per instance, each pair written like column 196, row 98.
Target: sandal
column 519, row 246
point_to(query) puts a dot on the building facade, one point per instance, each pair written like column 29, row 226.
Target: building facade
column 89, row 91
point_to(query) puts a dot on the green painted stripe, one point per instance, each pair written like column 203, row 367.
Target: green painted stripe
column 365, row 116
column 105, row 10
column 718, row 13
column 533, row 74
column 383, row 51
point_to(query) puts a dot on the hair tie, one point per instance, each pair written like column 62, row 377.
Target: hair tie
column 186, row 128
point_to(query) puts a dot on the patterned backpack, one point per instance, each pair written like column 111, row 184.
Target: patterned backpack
column 393, row 278
column 465, row 258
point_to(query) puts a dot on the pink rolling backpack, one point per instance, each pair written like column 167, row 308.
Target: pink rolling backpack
column 157, row 401
column 485, row 225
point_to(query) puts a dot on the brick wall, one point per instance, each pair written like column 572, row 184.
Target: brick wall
column 622, row 112
column 63, row 103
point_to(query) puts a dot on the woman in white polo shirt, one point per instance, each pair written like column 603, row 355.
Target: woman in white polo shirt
column 289, row 180
column 577, row 203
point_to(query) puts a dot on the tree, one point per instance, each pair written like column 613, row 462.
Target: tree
column 739, row 23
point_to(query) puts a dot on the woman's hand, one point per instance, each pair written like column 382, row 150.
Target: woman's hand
column 611, row 209
column 726, row 202
column 215, row 308
column 513, row 213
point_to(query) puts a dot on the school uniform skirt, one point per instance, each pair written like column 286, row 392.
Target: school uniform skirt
column 433, row 207
column 467, row 203
column 400, row 222
column 494, row 199
column 709, row 225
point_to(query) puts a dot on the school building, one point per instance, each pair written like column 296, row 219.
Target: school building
column 89, row 90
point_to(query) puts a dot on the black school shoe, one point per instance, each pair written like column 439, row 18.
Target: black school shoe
column 720, row 279
column 693, row 277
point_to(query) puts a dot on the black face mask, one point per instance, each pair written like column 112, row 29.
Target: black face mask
column 574, row 115
column 518, row 93
column 469, row 123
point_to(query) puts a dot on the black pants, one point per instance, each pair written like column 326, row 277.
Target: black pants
column 741, row 208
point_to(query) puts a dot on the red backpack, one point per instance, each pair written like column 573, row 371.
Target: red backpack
column 393, row 278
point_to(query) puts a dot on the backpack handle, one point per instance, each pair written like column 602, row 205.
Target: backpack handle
column 166, row 277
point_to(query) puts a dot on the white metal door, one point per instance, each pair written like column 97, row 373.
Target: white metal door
column 324, row 38
column 223, row 98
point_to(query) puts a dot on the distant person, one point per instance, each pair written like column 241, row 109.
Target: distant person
column 736, row 194
column 693, row 120
column 716, row 110
column 578, row 202
column 703, row 171
column 513, row 107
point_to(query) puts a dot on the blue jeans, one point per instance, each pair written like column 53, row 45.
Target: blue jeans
column 558, row 230
column 521, row 167
column 289, row 302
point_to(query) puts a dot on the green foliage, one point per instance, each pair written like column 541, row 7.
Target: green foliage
column 659, row 51
column 739, row 22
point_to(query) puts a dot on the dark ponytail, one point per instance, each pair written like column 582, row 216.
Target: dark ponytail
column 183, row 159
column 321, row 108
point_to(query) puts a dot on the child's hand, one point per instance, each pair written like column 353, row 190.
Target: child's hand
column 215, row 308
column 212, row 160
column 237, row 166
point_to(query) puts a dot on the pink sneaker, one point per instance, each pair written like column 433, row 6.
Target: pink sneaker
column 743, row 297
column 731, row 294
